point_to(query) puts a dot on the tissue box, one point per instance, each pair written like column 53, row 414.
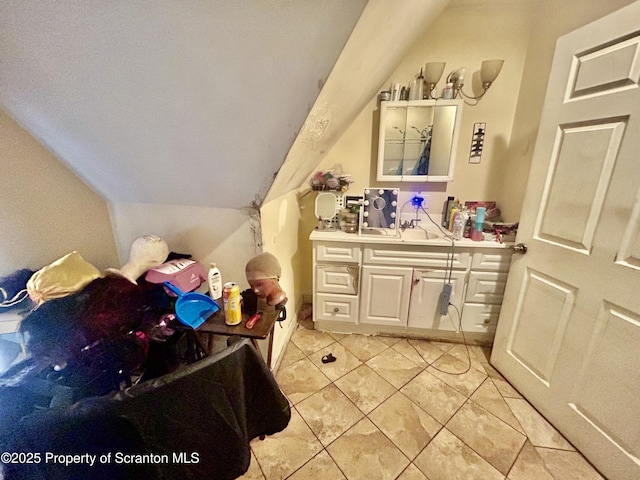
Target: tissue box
column 185, row 274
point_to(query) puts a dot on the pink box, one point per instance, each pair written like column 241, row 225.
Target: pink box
column 185, row 274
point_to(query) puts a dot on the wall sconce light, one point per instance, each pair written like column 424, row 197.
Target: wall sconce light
column 489, row 71
column 432, row 74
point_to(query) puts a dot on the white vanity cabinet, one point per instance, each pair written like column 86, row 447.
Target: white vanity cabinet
column 336, row 279
column 385, row 295
column 485, row 288
column 372, row 285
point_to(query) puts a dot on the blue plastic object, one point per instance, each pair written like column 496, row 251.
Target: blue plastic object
column 192, row 309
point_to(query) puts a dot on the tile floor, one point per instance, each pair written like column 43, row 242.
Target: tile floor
column 385, row 409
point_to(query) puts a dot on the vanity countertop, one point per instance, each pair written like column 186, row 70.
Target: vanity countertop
column 406, row 237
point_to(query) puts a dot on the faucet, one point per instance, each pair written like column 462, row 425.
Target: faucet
column 413, row 223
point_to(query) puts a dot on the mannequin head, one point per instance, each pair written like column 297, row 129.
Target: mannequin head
column 263, row 274
column 146, row 252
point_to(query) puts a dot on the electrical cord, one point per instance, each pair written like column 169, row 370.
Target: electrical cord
column 464, row 341
column 447, row 279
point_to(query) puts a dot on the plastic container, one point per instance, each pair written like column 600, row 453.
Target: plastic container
column 458, row 226
column 214, row 280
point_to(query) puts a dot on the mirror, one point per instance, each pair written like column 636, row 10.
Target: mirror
column 417, row 140
column 325, row 208
column 379, row 211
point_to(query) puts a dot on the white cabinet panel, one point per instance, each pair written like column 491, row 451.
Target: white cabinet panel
column 425, row 299
column 337, row 279
column 385, row 295
column 480, row 318
column 493, row 260
column 415, row 256
column 486, row 287
column 343, row 308
column 338, row 252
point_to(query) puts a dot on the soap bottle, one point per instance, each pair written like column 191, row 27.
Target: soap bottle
column 214, row 279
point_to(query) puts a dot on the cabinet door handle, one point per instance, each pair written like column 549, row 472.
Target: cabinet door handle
column 336, row 310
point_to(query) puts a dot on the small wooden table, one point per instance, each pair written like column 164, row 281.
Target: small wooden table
column 264, row 328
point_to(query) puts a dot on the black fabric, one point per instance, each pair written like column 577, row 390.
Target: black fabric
column 208, row 412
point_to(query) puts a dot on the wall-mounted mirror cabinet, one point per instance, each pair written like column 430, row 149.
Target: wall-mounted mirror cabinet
column 418, row 139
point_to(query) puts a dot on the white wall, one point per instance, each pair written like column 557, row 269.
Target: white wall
column 280, row 219
column 46, row 211
column 461, row 36
column 228, row 237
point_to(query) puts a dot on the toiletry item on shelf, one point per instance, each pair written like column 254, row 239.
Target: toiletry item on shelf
column 214, row 280
column 480, row 214
column 468, row 225
column 448, row 205
column 452, row 216
column 447, row 92
column 458, row 225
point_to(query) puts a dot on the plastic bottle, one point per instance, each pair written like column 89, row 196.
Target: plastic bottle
column 214, row 279
column 447, row 91
column 458, row 226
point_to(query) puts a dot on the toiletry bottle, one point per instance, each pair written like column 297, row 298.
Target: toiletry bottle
column 214, row 279
column 458, row 225
column 420, row 86
column 446, row 212
column 447, row 91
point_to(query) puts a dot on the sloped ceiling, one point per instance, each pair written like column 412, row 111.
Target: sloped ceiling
column 167, row 101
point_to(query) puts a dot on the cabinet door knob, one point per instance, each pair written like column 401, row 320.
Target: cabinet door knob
column 336, row 310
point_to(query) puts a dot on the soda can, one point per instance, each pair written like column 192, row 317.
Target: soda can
column 231, row 301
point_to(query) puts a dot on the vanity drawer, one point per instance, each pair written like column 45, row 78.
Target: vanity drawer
column 413, row 256
column 493, row 260
column 486, row 287
column 338, row 252
column 331, row 278
column 342, row 308
column 478, row 318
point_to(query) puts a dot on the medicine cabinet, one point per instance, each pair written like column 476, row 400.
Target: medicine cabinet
column 417, row 140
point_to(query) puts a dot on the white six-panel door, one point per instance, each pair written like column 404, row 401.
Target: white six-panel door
column 569, row 331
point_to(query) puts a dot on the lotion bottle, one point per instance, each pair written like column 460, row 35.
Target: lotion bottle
column 214, row 279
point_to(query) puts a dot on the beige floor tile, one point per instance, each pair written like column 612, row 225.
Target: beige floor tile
column 300, row 380
column 538, row 429
column 448, row 458
column 412, row 473
column 529, row 465
column 434, row 396
column 456, row 374
column 494, row 440
column 389, row 341
column 320, row 467
column 254, row 472
column 488, row 396
column 329, row 413
column 291, row 355
column 408, row 426
column 465, row 356
column 405, row 348
column 365, row 388
column 365, row 453
column 429, row 351
column 283, row 453
column 310, row 341
column 505, row 388
column 345, row 361
column 363, row 346
column 566, row 465
column 394, row 367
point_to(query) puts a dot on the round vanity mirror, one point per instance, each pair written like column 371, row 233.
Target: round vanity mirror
column 325, row 206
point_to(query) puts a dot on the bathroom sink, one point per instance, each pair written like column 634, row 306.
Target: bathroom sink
column 420, row 234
